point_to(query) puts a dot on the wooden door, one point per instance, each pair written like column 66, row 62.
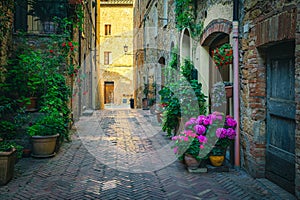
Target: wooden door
column 109, row 92
column 281, row 108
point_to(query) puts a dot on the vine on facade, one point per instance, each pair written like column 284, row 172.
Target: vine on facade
column 186, row 16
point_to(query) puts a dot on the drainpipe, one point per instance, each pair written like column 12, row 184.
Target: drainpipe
column 236, row 87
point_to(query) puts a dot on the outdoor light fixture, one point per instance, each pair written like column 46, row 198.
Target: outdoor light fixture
column 126, row 50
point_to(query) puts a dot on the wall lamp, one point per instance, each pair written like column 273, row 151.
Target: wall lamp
column 126, row 50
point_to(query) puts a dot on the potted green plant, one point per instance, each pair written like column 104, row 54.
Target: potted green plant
column 33, row 64
column 9, row 152
column 44, row 134
column 145, row 99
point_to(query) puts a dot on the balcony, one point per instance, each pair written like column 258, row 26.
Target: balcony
column 40, row 16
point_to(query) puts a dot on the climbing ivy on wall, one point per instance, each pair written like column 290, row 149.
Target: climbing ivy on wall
column 186, row 16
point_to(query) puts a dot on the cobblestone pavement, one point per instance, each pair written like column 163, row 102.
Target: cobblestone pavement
column 116, row 154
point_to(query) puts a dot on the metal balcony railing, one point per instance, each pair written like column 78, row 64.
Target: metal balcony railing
column 116, row 2
column 39, row 16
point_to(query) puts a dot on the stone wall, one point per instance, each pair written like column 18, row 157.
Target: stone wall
column 262, row 23
column 6, row 22
column 84, row 94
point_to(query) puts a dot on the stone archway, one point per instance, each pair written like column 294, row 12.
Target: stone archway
column 214, row 29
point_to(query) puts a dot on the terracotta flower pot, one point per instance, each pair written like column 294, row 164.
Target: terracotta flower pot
column 191, row 162
column 229, row 91
column 32, row 106
column 26, row 153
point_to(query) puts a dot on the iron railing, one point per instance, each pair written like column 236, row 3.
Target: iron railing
column 40, row 16
column 116, row 2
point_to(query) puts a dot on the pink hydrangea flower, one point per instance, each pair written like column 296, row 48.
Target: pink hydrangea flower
column 190, row 122
column 207, row 121
column 230, row 122
column 221, row 133
column 200, row 119
column 231, row 133
column 202, row 139
column 175, row 150
column 200, row 129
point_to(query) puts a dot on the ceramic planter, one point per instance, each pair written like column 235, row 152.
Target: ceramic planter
column 7, row 165
column 217, row 161
column 43, row 146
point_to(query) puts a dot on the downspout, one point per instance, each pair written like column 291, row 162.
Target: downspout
column 95, row 54
column 236, row 87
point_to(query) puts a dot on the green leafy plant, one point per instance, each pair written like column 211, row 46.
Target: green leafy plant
column 186, row 16
column 182, row 97
column 6, row 146
column 49, row 124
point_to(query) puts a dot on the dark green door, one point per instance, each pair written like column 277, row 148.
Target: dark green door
column 281, row 112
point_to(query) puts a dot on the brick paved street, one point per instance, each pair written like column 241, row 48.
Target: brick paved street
column 122, row 154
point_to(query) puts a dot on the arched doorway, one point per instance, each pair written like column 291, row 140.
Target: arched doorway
column 162, row 62
column 185, row 50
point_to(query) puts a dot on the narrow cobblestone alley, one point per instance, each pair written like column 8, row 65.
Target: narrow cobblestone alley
column 122, row 154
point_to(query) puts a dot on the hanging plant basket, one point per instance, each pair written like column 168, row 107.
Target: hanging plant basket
column 223, row 55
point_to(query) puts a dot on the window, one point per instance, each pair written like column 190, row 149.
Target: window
column 107, row 58
column 165, row 17
column 38, row 16
column 107, row 29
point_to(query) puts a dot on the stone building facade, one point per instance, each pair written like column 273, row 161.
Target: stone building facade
column 268, row 67
column 84, row 85
column 6, row 22
column 115, row 67
column 85, row 93
column 155, row 36
column 269, row 70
